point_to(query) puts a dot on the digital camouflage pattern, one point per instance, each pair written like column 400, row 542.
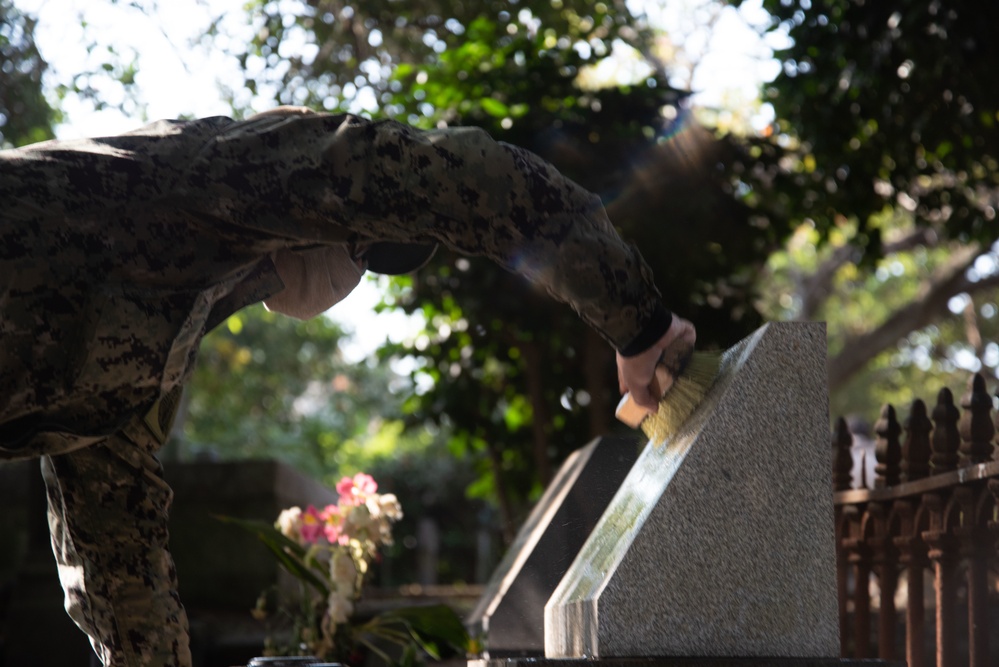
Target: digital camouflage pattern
column 118, row 254
column 108, row 511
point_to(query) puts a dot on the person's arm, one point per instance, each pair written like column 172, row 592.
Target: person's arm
column 313, row 178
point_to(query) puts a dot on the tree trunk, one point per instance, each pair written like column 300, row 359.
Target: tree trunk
column 507, row 526
column 931, row 300
column 539, row 418
column 813, row 290
column 600, row 383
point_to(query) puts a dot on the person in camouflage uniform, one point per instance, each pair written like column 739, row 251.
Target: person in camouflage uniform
column 118, row 254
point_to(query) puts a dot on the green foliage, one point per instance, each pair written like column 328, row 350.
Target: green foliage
column 109, row 80
column 25, row 115
column 924, row 360
column 295, row 558
column 888, row 105
column 269, row 385
column 322, row 54
column 436, row 629
column 887, row 128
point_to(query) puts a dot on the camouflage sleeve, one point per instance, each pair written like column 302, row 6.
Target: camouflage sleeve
column 310, row 178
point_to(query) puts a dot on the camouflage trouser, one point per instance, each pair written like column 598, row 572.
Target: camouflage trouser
column 108, row 507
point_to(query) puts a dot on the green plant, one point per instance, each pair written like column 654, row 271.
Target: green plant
column 329, row 552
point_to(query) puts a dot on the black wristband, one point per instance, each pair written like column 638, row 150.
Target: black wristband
column 658, row 324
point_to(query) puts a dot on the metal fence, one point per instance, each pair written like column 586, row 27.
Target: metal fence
column 917, row 556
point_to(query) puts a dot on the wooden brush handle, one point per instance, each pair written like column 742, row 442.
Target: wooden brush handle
column 630, row 412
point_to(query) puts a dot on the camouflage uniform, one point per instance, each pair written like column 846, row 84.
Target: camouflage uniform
column 118, row 254
column 108, row 511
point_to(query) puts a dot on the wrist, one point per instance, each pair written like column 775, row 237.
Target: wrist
column 659, row 323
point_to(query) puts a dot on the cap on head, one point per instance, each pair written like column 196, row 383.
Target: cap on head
column 394, row 259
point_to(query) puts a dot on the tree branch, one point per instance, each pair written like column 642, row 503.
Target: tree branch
column 813, row 290
column 931, row 300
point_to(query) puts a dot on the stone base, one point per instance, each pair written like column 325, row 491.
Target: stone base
column 683, row 662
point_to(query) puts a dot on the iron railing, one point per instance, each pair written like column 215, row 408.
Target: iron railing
column 921, row 538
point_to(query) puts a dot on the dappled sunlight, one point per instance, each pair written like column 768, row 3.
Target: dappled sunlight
column 624, row 66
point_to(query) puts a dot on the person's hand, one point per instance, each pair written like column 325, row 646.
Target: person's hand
column 634, row 374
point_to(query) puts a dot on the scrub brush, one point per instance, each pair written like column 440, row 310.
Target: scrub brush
column 693, row 373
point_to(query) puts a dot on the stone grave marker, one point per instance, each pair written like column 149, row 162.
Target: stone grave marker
column 510, row 614
column 720, row 541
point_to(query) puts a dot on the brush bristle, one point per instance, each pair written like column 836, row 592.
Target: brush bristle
column 683, row 397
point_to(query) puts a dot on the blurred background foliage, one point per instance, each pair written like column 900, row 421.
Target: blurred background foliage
column 869, row 202
column 885, row 151
column 26, row 116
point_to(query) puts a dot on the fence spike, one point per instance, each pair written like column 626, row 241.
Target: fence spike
column 945, row 440
column 916, row 448
column 842, row 460
column 842, row 439
column 887, row 449
column 975, row 426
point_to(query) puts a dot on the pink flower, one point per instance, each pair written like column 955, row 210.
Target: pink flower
column 345, row 487
column 365, row 483
column 332, row 523
column 312, row 525
column 354, row 491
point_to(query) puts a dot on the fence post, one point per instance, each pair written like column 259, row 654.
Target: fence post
column 885, row 561
column 974, row 545
column 912, row 557
column 994, row 490
column 887, row 449
column 860, row 559
column 842, row 464
column 976, row 427
column 944, row 556
column 945, row 440
column 916, row 448
column 842, row 461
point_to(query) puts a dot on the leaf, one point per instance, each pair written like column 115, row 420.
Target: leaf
column 434, row 628
column 494, row 107
column 402, row 70
column 409, row 657
column 290, row 554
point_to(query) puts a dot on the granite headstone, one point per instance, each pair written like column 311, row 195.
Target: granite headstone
column 510, row 614
column 720, row 541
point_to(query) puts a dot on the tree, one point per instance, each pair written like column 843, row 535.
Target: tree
column 830, row 283
column 887, row 145
column 268, row 385
column 25, row 114
column 322, row 53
